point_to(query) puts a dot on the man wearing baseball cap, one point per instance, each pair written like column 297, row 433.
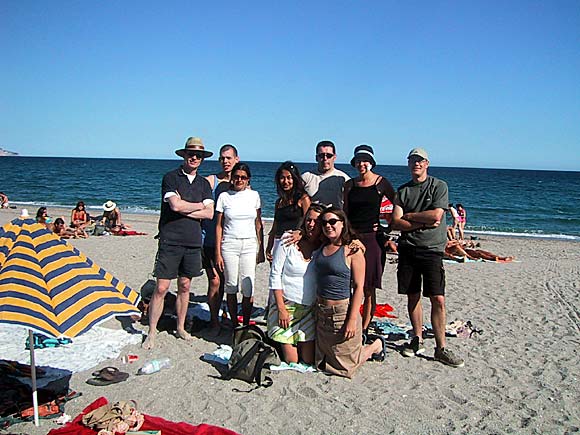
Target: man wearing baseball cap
column 419, row 210
column 186, row 200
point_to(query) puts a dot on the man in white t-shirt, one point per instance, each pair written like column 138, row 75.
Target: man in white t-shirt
column 325, row 185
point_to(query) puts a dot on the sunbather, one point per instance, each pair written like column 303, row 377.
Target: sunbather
column 79, row 217
column 454, row 251
column 66, row 232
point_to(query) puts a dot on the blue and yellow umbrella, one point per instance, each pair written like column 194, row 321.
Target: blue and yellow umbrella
column 50, row 287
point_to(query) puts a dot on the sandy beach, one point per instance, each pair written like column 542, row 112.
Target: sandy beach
column 520, row 375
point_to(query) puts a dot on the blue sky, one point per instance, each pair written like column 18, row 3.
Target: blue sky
column 477, row 83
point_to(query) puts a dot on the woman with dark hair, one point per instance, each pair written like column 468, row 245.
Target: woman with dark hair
column 79, row 218
column 291, row 205
column 337, row 264
column 239, row 241
column 42, row 217
column 292, row 293
column 362, row 204
column 462, row 220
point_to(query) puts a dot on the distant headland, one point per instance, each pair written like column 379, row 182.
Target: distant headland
column 4, row 153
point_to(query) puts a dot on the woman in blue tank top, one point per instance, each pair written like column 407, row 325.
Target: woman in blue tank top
column 339, row 348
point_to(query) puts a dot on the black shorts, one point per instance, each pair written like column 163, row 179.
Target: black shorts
column 174, row 261
column 418, row 266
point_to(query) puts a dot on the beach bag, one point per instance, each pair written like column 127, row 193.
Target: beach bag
column 250, row 355
column 113, row 418
column 99, row 230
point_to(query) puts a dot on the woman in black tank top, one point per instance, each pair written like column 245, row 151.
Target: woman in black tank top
column 291, row 205
column 362, row 204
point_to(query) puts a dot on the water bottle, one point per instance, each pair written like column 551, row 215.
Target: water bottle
column 154, row 366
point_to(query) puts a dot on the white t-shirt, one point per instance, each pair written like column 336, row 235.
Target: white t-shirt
column 240, row 211
column 289, row 273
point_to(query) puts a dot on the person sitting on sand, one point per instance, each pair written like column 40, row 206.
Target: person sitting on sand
column 42, row 217
column 337, row 266
column 4, row 200
column 112, row 218
column 65, row 232
column 292, row 295
column 79, row 218
column 454, row 251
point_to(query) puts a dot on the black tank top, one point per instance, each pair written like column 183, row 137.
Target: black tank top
column 364, row 205
column 287, row 218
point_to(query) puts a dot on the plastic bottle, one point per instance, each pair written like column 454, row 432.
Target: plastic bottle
column 154, row 366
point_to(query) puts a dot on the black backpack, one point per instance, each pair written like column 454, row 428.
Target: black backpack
column 250, row 355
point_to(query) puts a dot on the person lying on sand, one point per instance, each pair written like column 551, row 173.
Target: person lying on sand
column 65, row 232
column 454, row 251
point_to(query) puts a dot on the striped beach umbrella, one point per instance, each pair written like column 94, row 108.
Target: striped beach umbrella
column 50, row 287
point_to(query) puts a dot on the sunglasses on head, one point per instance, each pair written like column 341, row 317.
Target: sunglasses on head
column 325, row 156
column 331, row 222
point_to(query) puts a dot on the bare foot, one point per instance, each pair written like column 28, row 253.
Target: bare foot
column 149, row 342
column 183, row 334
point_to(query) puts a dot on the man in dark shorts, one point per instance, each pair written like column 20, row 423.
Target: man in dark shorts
column 215, row 279
column 186, row 200
column 419, row 210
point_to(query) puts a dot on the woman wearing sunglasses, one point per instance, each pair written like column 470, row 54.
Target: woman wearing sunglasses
column 339, row 348
column 239, row 241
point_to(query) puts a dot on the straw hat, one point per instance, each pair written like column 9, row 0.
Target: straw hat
column 193, row 144
column 109, row 206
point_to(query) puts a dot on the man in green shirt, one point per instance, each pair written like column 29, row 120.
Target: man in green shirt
column 419, row 210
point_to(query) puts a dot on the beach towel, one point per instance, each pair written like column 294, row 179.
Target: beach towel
column 150, row 423
column 128, row 233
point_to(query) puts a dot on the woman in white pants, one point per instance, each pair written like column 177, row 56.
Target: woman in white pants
column 239, row 241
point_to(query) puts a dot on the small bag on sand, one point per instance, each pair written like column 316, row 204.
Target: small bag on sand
column 250, row 356
column 114, row 418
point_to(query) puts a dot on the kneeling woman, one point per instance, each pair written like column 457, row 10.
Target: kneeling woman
column 291, row 315
column 339, row 348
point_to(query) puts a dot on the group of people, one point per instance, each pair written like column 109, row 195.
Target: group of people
column 456, row 231
column 81, row 223
column 323, row 249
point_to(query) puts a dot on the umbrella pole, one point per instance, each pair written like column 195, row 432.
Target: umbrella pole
column 33, row 376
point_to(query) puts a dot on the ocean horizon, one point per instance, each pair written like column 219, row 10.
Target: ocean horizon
column 514, row 202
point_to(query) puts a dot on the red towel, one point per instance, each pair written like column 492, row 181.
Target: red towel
column 76, row 427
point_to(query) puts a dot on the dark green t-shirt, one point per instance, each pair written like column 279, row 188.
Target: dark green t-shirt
column 428, row 195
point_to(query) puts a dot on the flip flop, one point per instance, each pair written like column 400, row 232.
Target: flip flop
column 107, row 376
column 378, row 356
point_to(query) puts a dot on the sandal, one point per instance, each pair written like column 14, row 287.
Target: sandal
column 107, row 376
column 378, row 356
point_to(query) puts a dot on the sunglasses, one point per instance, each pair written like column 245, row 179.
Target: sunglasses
column 332, row 222
column 195, row 154
column 322, row 156
column 240, row 177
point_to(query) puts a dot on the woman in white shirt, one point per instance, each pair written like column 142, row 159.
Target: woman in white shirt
column 239, row 241
column 291, row 312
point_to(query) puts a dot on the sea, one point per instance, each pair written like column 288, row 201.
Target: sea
column 525, row 203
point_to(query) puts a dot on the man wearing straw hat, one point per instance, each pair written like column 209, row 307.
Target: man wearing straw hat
column 186, row 200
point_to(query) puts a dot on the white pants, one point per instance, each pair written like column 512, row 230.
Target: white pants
column 239, row 265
